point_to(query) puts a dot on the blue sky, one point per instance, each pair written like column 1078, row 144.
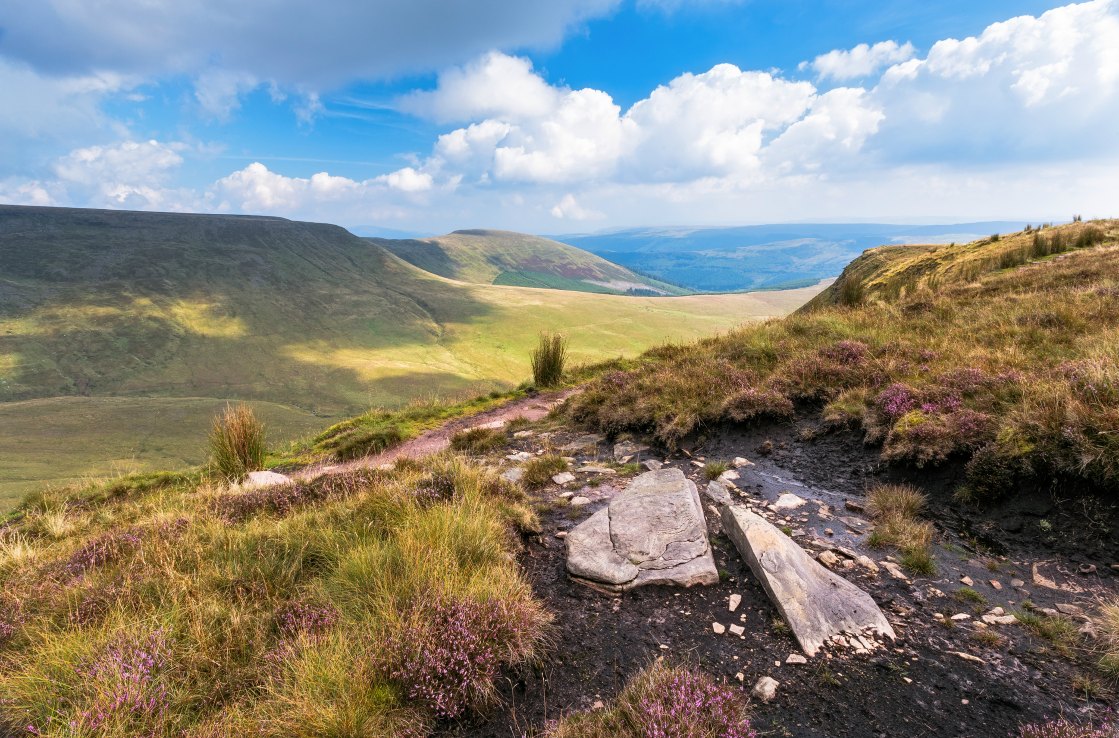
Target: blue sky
column 566, row 115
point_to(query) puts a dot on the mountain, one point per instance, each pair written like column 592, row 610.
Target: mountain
column 763, row 256
column 100, row 310
column 508, row 258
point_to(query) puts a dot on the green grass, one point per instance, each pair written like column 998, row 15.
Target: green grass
column 521, row 260
column 166, row 606
column 539, row 471
column 714, row 469
column 549, row 360
column 98, row 305
column 236, row 442
column 945, row 354
column 1057, row 630
column 477, row 441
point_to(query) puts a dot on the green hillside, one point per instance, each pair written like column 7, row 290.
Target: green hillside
column 521, row 260
column 198, row 309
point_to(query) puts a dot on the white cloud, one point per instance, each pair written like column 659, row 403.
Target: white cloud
column 26, row 192
column 862, row 61
column 495, row 85
column 219, row 91
column 130, row 174
column 407, row 180
column 569, row 208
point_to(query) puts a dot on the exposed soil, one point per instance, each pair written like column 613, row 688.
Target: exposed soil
column 921, row 686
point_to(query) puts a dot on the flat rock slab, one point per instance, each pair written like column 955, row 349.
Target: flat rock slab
column 261, row 480
column 653, row 532
column 819, row 606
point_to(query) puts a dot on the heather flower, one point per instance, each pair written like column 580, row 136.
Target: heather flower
column 849, row 353
column 102, row 550
column 305, row 618
column 447, row 653
column 896, row 400
column 127, row 687
column 677, row 703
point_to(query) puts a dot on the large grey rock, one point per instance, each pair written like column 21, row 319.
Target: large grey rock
column 653, row 532
column 819, row 606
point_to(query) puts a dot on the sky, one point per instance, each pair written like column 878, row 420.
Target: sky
column 563, row 116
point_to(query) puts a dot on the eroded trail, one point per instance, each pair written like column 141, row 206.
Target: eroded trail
column 438, row 439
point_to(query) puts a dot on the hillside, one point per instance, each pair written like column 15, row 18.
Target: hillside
column 100, row 306
column 762, row 256
column 508, row 258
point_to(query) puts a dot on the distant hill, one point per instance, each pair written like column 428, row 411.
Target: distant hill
column 764, row 256
column 100, row 310
column 508, row 258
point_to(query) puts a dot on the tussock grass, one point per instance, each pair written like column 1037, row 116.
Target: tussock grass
column 956, row 352
column 895, row 509
column 1057, row 630
column 714, row 469
column 237, row 442
column 1107, row 623
column 549, row 359
column 477, row 441
column 539, row 471
column 155, row 611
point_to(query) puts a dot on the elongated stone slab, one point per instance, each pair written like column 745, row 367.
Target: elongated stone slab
column 819, row 606
column 653, row 532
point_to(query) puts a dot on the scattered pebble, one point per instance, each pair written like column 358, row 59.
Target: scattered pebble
column 719, row 628
column 967, row 581
column 580, row 501
column 563, row 478
column 734, row 602
column 796, row 658
column 765, row 689
column 740, row 462
column 737, row 630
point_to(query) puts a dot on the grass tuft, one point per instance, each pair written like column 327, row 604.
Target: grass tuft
column 549, row 359
column 895, row 509
column 539, row 471
column 712, row 470
column 477, row 441
column 237, row 442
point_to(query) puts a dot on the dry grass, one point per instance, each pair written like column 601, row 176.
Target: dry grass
column 549, row 359
column 945, row 355
column 237, row 442
column 149, row 609
column 477, row 441
column 1107, row 623
column 539, row 471
column 895, row 509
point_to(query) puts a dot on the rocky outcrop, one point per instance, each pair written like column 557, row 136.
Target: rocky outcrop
column 653, row 532
column 819, row 606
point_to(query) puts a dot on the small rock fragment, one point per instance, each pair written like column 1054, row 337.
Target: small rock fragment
column 519, row 456
column 961, row 616
column 1017, row 583
column 561, row 534
column 828, row 559
column 895, row 570
column 967, row 581
column 719, row 628
column 796, row 658
column 996, row 584
column 728, row 476
column 524, row 434
column 740, row 462
column 765, row 689
column 789, row 501
column 867, row 563
column 595, row 469
column 652, row 464
column 737, row 630
column 734, row 602
column 968, row 657
column 513, row 475
column 580, row 501
column 563, row 478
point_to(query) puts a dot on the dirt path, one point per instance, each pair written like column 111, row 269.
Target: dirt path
column 433, row 441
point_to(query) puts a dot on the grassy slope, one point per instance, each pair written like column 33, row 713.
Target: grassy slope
column 186, row 308
column 505, row 257
column 997, row 353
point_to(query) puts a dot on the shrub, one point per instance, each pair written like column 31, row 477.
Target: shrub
column 539, row 471
column 665, row 702
column 447, row 653
column 548, row 360
column 237, row 442
column 477, row 441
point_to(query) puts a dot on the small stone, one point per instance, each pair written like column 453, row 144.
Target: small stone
column 999, row 619
column 580, row 501
column 968, row 657
column 765, row 689
column 1087, row 568
column 789, row 501
column 856, row 524
column 594, row 469
column 627, row 449
column 829, row 532
column 1088, row 630
column 996, row 584
column 961, row 616
column 598, row 705
column 740, row 676
column 796, row 658
column 867, row 563
column 513, row 475
column 719, row 628
column 1074, row 611
column 728, row 476
column 997, row 611
column 561, row 534
column 967, row 581
column 524, row 434
column 737, row 630
column 652, row 464
column 563, row 478
column 566, row 495
column 740, row 462
column 895, row 570
column 1017, row 583
column 828, row 559
column 854, row 506
column 519, row 456
column 698, row 464
column 734, row 601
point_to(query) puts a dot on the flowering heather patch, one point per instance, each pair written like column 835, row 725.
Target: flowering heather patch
column 1107, row 727
column 300, row 617
column 101, row 550
column 896, row 400
column 126, row 688
column 846, row 352
column 236, row 507
column 683, row 704
column 448, row 652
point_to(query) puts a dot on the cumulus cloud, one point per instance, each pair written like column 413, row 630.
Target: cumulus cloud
column 569, row 208
column 862, row 61
column 130, row 174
